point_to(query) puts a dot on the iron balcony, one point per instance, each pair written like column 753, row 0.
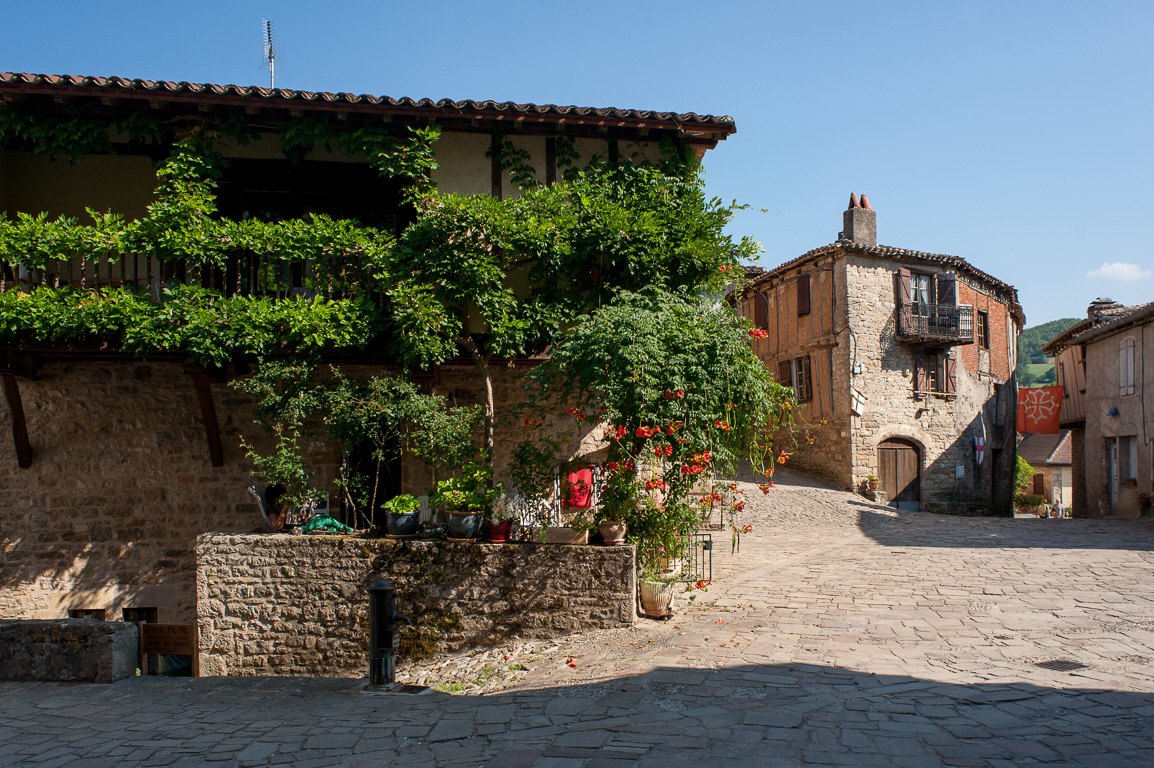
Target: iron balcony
column 940, row 323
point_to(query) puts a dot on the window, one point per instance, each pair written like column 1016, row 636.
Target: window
column 921, row 288
column 1126, row 367
column 139, row 615
column 803, row 296
column 761, row 311
column 798, row 374
column 935, row 373
column 983, row 330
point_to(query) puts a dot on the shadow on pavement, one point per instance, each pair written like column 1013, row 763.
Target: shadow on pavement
column 895, row 528
column 749, row 715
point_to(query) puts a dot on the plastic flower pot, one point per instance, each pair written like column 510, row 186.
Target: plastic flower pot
column 464, row 526
column 500, row 532
column 404, row 525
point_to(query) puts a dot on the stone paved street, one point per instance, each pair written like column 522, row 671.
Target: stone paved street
column 842, row 634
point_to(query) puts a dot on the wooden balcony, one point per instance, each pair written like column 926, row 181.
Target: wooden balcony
column 944, row 324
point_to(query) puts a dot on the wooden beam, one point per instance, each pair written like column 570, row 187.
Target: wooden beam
column 19, row 425
column 203, row 384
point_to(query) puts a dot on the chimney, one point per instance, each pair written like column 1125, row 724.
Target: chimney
column 859, row 222
column 1099, row 307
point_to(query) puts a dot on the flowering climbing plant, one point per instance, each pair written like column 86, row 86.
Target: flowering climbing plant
column 678, row 398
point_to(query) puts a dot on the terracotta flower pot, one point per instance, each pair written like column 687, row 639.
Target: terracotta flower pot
column 657, row 598
column 613, row 531
column 500, row 532
column 559, row 534
column 872, row 484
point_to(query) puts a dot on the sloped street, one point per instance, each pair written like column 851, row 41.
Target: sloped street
column 843, row 633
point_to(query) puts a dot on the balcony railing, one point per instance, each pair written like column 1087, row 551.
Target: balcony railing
column 941, row 323
column 241, row 274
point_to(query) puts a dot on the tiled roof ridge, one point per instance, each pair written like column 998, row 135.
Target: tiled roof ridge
column 887, row 250
column 349, row 98
column 1117, row 320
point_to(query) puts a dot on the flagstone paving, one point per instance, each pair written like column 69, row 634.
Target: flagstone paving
column 842, row 634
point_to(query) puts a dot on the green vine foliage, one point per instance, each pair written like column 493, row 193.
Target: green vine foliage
column 678, row 394
column 387, row 415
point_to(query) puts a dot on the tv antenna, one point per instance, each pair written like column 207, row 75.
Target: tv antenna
column 270, row 50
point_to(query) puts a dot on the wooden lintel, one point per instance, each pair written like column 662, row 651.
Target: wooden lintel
column 203, row 384
column 17, row 364
column 19, row 425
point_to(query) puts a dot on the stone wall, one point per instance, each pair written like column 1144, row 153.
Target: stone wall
column 297, row 605
column 120, row 486
column 71, row 650
column 106, row 518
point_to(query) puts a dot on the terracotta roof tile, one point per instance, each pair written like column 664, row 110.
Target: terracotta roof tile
column 889, row 251
column 717, row 124
column 1046, row 449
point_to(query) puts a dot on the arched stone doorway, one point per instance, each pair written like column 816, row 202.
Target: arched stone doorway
column 900, row 472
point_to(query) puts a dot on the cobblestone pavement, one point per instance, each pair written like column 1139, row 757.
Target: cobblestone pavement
column 842, row 634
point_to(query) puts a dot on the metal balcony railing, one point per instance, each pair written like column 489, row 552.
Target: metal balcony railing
column 942, row 323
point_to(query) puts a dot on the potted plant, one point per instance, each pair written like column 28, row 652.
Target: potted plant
column 872, row 482
column 656, row 592
column 500, row 519
column 466, row 500
column 613, row 532
column 404, row 513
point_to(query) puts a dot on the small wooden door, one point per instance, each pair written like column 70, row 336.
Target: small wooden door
column 899, row 467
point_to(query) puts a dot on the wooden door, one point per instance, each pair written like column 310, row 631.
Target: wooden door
column 899, row 466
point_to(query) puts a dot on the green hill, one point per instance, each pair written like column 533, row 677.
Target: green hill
column 1035, row 367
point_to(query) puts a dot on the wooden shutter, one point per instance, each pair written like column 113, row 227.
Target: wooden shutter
column 921, row 375
column 807, row 376
column 1039, row 484
column 783, row 376
column 904, row 297
column 803, row 295
column 951, row 375
column 947, row 290
column 761, row 311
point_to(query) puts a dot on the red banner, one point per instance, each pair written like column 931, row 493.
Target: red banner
column 1038, row 410
column 579, row 488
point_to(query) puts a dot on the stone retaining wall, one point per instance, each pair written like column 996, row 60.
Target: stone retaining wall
column 297, row 605
column 67, row 650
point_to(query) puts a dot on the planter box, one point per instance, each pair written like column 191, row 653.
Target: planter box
column 564, row 535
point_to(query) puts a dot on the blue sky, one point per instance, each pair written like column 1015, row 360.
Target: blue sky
column 1014, row 134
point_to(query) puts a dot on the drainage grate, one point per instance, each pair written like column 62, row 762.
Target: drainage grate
column 1060, row 665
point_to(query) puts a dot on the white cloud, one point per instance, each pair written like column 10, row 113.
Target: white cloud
column 1120, row 270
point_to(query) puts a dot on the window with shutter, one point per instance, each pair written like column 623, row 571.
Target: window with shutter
column 921, row 375
column 761, row 311
column 904, row 295
column 803, row 295
column 1126, row 367
column 784, row 378
column 805, row 380
column 947, row 290
column 951, row 375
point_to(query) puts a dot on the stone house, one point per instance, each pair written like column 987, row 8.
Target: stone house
column 1050, row 457
column 1100, row 365
column 110, row 467
column 903, row 363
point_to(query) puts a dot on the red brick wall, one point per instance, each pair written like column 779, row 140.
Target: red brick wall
column 998, row 316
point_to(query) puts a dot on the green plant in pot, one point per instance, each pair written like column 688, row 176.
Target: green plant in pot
column 404, row 516
column 466, row 500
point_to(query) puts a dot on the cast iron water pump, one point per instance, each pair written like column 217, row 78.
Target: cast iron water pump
column 383, row 631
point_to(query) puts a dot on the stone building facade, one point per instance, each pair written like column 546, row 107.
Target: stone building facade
column 900, row 360
column 1100, row 363
column 111, row 467
column 1100, row 367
